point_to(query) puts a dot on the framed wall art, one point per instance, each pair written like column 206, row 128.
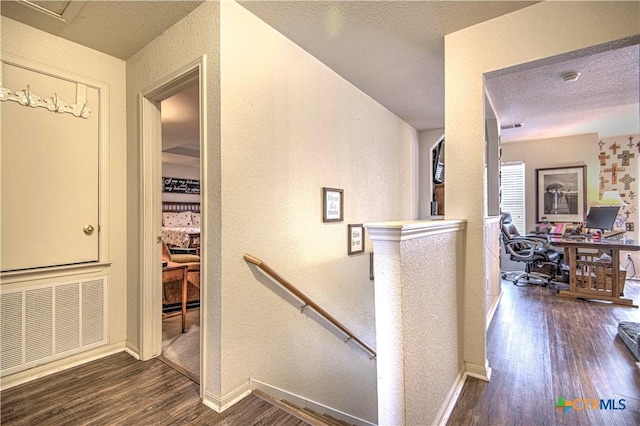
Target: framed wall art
column 356, row 239
column 561, row 194
column 180, row 185
column 332, row 205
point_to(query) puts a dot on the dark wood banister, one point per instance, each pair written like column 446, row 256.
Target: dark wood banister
column 308, row 302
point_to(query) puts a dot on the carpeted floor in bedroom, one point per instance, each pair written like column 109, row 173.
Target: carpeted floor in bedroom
column 182, row 350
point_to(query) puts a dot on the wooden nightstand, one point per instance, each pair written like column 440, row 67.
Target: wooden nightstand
column 175, row 272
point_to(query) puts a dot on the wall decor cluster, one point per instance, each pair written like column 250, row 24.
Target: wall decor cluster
column 28, row 98
column 618, row 172
column 333, row 211
column 332, row 208
column 180, row 186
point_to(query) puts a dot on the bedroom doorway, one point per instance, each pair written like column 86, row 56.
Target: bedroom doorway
column 190, row 77
column 180, row 129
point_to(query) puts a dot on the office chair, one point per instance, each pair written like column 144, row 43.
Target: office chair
column 533, row 250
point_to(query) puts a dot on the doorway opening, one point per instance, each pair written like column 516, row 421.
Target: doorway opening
column 180, row 117
column 176, row 85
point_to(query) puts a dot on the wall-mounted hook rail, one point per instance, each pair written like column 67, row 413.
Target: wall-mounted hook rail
column 55, row 104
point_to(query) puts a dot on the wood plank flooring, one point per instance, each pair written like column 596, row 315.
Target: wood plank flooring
column 119, row 390
column 542, row 347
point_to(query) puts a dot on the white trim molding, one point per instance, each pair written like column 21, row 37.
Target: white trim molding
column 303, row 402
column 452, row 399
column 482, row 372
column 407, row 230
column 60, row 365
column 221, row 403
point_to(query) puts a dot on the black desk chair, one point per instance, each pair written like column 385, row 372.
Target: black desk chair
column 533, row 250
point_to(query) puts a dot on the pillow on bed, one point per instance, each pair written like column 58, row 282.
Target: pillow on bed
column 195, row 219
column 176, row 219
column 185, row 258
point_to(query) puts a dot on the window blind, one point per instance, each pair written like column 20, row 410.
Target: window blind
column 512, row 193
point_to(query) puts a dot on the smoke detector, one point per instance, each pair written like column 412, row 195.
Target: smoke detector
column 570, row 76
column 511, row 126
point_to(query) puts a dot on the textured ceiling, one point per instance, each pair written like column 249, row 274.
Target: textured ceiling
column 604, row 99
column 394, row 52
column 391, row 50
column 117, row 28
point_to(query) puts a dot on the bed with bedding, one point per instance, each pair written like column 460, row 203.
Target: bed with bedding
column 181, row 224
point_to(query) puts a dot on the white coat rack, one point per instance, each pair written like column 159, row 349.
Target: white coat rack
column 55, row 104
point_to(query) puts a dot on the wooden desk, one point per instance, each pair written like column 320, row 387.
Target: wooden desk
column 592, row 275
column 177, row 273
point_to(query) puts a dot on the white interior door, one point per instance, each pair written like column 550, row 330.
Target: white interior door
column 50, row 175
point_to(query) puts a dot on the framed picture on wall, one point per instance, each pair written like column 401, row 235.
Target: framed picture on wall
column 180, row 185
column 561, row 194
column 332, row 208
column 356, row 239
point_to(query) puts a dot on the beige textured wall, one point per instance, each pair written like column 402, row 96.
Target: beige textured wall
column 29, row 43
column 542, row 30
column 432, row 312
column 291, row 126
column 566, row 151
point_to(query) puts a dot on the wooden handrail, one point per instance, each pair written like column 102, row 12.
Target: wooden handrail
column 308, row 302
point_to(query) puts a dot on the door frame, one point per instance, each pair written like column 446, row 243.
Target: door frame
column 150, row 202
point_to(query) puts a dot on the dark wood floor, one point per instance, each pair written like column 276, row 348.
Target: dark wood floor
column 119, row 390
column 542, row 347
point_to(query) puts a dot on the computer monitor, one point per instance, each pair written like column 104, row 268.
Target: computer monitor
column 602, row 217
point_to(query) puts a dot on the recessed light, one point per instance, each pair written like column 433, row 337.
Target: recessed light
column 570, row 76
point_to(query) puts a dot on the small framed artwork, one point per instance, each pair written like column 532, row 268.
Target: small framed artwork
column 332, row 208
column 561, row 194
column 356, row 239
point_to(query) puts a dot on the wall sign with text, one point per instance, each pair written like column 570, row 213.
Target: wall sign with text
column 332, row 208
column 356, row 239
column 180, row 186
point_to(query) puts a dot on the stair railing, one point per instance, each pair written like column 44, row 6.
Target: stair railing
column 308, row 302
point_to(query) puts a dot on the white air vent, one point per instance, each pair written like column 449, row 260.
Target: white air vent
column 44, row 323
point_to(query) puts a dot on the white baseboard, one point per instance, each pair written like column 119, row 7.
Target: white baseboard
column 212, row 401
column 482, row 372
column 452, row 398
column 303, row 402
column 219, row 404
column 134, row 352
column 492, row 310
column 59, row 365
